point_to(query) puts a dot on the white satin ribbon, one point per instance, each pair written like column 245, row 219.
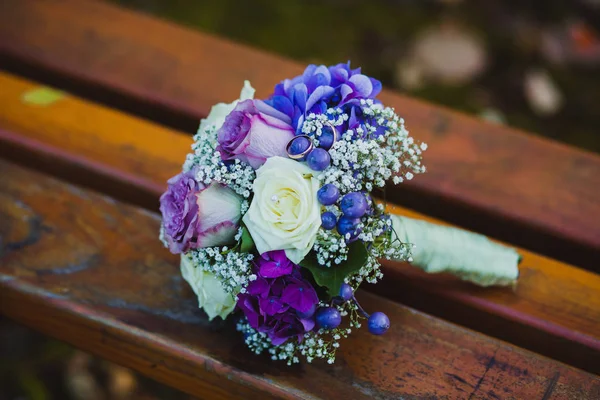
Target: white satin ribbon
column 470, row 256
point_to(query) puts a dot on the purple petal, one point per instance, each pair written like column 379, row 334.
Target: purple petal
column 273, row 269
column 308, row 324
column 376, row 87
column 300, row 95
column 272, row 306
column 353, row 121
column 258, row 287
column 362, row 84
column 318, row 94
column 323, row 70
column 277, row 340
column 345, row 91
column 282, row 104
column 339, row 74
column 277, row 287
column 279, row 90
column 308, row 72
column 300, row 297
column 278, row 255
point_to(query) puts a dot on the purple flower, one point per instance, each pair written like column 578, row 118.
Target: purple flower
column 352, row 85
column 195, row 215
column 274, row 304
column 319, row 88
column 300, row 295
column 253, row 132
column 274, row 264
column 180, row 213
column 287, row 326
column 259, row 287
column 249, row 305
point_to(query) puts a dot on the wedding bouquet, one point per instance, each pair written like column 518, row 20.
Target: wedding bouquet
column 273, row 213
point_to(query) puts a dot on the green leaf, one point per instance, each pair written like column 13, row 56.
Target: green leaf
column 333, row 277
column 247, row 243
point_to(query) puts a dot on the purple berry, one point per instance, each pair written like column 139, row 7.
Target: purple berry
column 328, row 318
column 348, row 225
column 328, row 220
column 307, row 314
column 379, row 323
column 318, row 159
column 328, row 194
column 346, row 292
column 299, row 147
column 327, row 138
column 354, row 205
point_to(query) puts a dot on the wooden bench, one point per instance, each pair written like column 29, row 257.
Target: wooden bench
column 518, row 188
column 71, row 267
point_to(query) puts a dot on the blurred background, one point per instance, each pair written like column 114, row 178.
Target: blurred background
column 529, row 64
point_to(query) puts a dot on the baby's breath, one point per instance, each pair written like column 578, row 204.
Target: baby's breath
column 209, row 167
column 232, row 268
column 378, row 150
column 321, row 344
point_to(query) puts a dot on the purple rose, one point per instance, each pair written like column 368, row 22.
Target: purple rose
column 253, row 132
column 196, row 215
column 180, row 212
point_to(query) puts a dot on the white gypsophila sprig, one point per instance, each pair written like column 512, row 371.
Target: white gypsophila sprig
column 376, row 151
column 209, row 166
column 330, row 248
column 321, row 344
column 314, row 123
column 231, row 267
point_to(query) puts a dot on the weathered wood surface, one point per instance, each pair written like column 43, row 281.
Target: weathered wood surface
column 87, row 269
column 495, row 180
column 555, row 309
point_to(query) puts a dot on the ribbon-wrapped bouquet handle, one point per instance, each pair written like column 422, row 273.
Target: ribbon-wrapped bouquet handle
column 273, row 216
column 470, row 256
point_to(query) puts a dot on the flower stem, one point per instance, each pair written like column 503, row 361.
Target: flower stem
column 362, row 311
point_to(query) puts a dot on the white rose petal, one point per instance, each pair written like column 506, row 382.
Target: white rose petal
column 211, row 297
column 285, row 213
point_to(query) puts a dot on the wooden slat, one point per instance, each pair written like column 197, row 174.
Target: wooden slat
column 555, row 309
column 518, row 188
column 87, row 269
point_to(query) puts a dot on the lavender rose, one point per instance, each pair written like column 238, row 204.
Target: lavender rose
column 253, row 132
column 196, row 215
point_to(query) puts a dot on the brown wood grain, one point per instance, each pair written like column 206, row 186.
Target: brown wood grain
column 87, row 269
column 516, row 187
column 555, row 309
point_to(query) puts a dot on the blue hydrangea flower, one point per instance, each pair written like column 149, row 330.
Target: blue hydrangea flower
column 320, row 88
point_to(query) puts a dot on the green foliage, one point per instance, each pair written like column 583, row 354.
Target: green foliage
column 332, row 277
column 246, row 242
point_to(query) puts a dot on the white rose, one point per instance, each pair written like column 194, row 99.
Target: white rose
column 284, row 213
column 211, row 296
column 219, row 111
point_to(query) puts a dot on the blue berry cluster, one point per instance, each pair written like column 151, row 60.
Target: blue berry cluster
column 353, row 206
